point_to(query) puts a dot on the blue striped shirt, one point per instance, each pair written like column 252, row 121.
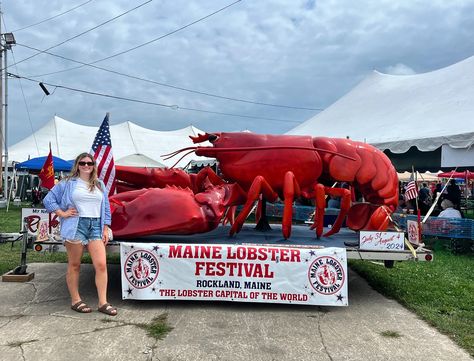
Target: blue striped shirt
column 60, row 197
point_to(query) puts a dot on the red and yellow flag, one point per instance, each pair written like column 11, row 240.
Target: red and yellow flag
column 47, row 172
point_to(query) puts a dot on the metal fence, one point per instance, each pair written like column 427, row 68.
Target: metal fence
column 461, row 228
column 441, row 227
column 302, row 213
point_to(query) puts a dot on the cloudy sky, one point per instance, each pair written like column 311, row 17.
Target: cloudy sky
column 216, row 71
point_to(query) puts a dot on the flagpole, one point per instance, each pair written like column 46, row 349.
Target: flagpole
column 418, row 212
column 438, row 196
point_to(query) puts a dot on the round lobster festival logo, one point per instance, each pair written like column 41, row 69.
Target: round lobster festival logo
column 141, row 268
column 326, row 275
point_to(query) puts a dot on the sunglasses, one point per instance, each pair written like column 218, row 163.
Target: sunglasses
column 90, row 164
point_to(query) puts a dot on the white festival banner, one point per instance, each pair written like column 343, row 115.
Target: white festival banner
column 241, row 273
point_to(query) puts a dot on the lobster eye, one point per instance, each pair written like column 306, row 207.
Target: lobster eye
column 212, row 138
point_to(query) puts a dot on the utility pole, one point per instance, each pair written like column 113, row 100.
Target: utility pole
column 2, row 126
column 5, row 47
column 6, row 42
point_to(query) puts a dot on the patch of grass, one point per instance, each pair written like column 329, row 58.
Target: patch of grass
column 10, row 222
column 10, row 257
column 441, row 292
column 390, row 334
column 158, row 328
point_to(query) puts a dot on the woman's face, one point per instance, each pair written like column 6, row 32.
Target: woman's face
column 86, row 166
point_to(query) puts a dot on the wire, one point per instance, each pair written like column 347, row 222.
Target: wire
column 155, row 82
column 167, row 85
column 51, row 18
column 148, row 42
column 22, row 92
column 84, row 32
column 174, row 107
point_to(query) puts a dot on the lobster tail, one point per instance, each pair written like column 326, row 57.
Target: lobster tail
column 372, row 174
column 366, row 216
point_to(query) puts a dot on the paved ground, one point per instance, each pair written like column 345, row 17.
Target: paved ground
column 36, row 324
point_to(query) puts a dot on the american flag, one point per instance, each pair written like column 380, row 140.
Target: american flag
column 102, row 150
column 411, row 190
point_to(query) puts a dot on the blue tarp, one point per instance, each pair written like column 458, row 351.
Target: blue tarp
column 37, row 163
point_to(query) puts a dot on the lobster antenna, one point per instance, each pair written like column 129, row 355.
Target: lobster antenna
column 184, row 155
column 172, row 154
column 192, row 149
column 277, row 147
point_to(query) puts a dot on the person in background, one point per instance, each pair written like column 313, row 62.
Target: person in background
column 334, row 202
column 81, row 203
column 401, row 208
column 448, row 210
column 424, row 199
column 454, row 193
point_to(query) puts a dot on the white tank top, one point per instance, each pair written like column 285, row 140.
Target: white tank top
column 87, row 203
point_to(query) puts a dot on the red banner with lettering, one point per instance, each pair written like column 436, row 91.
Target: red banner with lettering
column 47, row 172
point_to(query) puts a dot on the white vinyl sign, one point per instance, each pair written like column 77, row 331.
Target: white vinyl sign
column 241, row 273
column 381, row 241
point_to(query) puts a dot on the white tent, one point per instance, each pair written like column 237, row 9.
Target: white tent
column 396, row 112
column 69, row 139
column 139, row 160
column 420, row 177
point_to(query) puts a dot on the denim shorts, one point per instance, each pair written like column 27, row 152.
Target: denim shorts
column 88, row 229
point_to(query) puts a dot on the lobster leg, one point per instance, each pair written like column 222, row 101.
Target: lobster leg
column 320, row 201
column 345, row 195
column 290, row 189
column 259, row 185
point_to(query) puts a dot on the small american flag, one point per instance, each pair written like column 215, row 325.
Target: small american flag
column 102, row 150
column 411, row 190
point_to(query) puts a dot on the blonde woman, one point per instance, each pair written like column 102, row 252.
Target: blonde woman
column 81, row 203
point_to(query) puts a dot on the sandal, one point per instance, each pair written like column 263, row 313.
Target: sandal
column 81, row 307
column 108, row 309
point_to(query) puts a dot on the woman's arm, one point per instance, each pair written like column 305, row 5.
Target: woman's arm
column 54, row 196
column 108, row 217
column 53, row 199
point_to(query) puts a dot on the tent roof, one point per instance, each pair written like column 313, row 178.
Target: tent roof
column 139, row 160
column 420, row 177
column 69, row 139
column 37, row 164
column 397, row 112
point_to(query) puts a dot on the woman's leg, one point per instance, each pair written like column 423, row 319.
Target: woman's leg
column 74, row 256
column 97, row 252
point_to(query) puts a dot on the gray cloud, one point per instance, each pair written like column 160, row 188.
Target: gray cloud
column 301, row 53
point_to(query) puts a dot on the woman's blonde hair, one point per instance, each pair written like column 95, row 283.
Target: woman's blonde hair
column 93, row 180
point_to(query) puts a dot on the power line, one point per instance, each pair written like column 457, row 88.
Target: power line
column 148, row 42
column 174, row 107
column 22, row 92
column 84, row 32
column 168, row 85
column 52, row 17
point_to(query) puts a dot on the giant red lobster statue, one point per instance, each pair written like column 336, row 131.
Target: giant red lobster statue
column 256, row 166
